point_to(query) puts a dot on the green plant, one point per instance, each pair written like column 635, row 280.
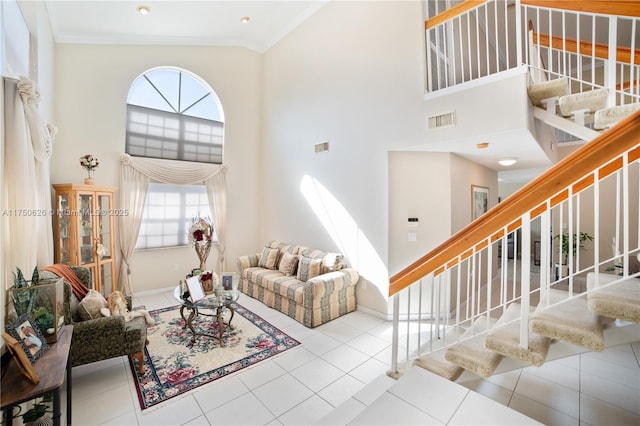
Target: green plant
column 38, row 410
column 24, row 301
column 578, row 241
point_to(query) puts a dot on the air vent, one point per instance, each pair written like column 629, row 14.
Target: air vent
column 321, row 147
column 443, row 120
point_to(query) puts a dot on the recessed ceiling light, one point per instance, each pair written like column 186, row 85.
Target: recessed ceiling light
column 244, row 19
column 143, row 10
column 482, row 145
column 508, row 161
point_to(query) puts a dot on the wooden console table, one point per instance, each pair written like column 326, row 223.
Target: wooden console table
column 16, row 388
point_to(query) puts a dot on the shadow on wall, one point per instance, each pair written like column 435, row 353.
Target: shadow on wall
column 351, row 241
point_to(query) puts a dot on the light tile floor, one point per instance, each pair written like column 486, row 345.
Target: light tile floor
column 335, row 362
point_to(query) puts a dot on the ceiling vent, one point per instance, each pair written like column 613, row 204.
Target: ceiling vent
column 321, row 147
column 443, row 120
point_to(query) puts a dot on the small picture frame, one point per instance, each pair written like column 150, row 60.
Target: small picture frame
column 28, row 335
column 229, row 281
column 24, row 365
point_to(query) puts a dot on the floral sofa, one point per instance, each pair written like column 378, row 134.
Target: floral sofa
column 311, row 286
column 100, row 338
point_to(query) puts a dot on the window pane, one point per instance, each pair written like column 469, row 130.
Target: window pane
column 168, row 108
column 168, row 214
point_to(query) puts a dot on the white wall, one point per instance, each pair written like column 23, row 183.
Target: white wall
column 419, row 188
column 352, row 74
column 92, row 82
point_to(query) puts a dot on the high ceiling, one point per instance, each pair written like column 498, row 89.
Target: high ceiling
column 200, row 22
column 178, row 22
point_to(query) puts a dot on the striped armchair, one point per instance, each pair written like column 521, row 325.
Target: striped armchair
column 311, row 286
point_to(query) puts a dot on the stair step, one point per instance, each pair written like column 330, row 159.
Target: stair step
column 436, row 363
column 620, row 300
column 592, row 101
column 548, row 89
column 572, row 321
column 609, row 116
column 504, row 338
column 471, row 354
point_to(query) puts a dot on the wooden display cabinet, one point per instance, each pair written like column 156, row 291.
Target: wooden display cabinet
column 84, row 232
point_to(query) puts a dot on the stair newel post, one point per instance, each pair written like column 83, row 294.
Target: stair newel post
column 525, row 286
column 394, row 339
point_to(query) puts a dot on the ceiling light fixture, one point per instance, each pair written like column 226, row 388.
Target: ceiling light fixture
column 143, row 10
column 244, row 19
column 482, row 145
column 508, row 161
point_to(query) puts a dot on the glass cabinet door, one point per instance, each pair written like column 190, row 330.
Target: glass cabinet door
column 86, row 226
column 64, row 239
column 104, row 226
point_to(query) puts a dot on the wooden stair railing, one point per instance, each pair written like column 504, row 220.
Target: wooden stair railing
column 598, row 50
column 605, row 7
column 569, row 172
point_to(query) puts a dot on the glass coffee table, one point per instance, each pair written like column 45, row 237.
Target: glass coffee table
column 212, row 306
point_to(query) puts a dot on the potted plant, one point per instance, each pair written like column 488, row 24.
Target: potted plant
column 578, row 241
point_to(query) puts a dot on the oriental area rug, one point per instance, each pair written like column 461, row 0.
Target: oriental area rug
column 174, row 365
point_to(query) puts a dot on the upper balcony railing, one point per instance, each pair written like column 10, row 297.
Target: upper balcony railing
column 593, row 42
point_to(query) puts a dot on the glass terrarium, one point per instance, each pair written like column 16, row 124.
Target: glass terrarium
column 43, row 302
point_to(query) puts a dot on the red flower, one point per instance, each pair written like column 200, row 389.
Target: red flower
column 198, row 235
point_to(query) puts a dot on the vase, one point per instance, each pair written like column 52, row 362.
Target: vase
column 89, row 180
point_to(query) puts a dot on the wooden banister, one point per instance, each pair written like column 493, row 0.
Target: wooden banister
column 600, row 50
column 605, row 7
column 452, row 12
column 592, row 156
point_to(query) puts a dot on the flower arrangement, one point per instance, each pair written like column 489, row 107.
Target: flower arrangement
column 89, row 163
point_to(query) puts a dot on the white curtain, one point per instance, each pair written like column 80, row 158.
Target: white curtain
column 27, row 228
column 135, row 175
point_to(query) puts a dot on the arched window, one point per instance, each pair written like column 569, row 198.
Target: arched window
column 172, row 114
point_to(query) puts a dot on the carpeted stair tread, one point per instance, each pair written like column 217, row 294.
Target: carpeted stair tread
column 591, row 100
column 504, row 338
column 571, row 321
column 610, row 116
column 548, row 89
column 437, row 364
column 471, row 354
column 620, row 300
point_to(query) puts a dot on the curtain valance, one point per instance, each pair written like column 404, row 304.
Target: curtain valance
column 170, row 171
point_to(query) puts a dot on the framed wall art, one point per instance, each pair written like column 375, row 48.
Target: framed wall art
column 29, row 336
column 479, row 201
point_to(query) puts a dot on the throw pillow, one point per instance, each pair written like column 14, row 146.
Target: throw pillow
column 332, row 262
column 90, row 305
column 269, row 258
column 288, row 264
column 308, row 268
